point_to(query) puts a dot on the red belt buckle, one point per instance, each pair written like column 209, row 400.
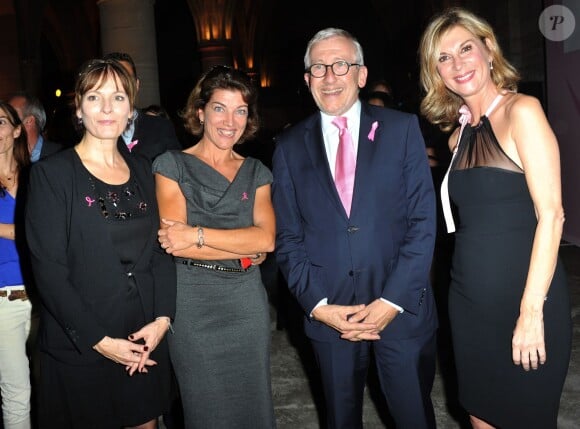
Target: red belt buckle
column 245, row 263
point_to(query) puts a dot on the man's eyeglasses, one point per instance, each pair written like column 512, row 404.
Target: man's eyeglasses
column 339, row 68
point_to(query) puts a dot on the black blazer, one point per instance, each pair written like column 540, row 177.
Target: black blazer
column 80, row 279
column 154, row 135
column 49, row 148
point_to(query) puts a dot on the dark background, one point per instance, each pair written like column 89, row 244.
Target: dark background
column 54, row 37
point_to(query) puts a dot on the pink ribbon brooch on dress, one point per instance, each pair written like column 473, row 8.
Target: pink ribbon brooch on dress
column 465, row 116
column 374, row 127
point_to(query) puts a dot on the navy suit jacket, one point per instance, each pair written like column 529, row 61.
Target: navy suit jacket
column 384, row 249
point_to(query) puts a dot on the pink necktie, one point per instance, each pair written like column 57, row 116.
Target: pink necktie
column 345, row 164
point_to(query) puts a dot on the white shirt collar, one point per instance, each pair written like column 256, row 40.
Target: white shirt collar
column 352, row 121
column 330, row 132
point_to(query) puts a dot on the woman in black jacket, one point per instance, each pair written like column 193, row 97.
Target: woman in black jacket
column 107, row 289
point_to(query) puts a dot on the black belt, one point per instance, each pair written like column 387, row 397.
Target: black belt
column 14, row 294
column 213, row 267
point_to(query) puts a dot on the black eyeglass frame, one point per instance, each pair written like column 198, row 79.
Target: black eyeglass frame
column 332, row 66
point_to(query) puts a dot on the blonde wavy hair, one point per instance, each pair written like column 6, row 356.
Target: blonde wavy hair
column 440, row 105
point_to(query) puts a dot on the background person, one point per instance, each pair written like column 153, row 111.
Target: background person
column 107, row 288
column 508, row 301
column 217, row 217
column 148, row 135
column 156, row 110
column 15, row 307
column 33, row 117
column 379, row 98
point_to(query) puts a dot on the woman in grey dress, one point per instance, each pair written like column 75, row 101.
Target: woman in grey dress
column 218, row 221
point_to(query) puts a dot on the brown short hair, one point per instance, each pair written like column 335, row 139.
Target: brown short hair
column 95, row 72
column 221, row 77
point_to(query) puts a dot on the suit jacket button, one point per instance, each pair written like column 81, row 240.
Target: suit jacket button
column 352, row 229
column 351, row 273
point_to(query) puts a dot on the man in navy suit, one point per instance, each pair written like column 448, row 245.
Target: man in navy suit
column 360, row 273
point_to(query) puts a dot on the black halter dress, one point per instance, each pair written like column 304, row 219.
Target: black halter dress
column 496, row 228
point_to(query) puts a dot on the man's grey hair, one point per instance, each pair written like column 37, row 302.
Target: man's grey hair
column 327, row 33
column 33, row 107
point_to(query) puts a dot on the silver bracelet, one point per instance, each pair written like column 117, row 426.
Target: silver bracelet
column 200, row 241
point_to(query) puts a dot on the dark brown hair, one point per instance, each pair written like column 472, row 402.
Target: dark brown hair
column 20, row 148
column 221, row 77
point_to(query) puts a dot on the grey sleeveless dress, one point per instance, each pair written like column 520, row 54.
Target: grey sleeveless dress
column 493, row 245
column 221, row 345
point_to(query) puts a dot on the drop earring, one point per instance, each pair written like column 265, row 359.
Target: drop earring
column 491, row 65
column 201, row 122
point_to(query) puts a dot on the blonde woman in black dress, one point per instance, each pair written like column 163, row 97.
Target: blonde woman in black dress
column 508, row 302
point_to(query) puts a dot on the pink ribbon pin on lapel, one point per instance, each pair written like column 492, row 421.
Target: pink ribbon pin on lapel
column 374, row 127
column 131, row 145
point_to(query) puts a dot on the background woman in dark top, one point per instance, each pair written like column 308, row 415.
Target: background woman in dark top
column 14, row 303
column 107, row 289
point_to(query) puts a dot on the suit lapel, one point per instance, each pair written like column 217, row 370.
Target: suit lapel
column 314, row 143
column 121, row 145
column 365, row 155
column 137, row 129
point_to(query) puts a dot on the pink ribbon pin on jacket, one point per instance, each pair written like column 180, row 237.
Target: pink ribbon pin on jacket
column 131, row 145
column 374, row 127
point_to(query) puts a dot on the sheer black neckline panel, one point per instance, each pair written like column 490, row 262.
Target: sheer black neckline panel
column 479, row 148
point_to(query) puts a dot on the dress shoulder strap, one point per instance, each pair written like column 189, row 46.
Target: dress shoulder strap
column 464, row 119
column 493, row 104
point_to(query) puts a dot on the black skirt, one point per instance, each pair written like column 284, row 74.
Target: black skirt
column 103, row 395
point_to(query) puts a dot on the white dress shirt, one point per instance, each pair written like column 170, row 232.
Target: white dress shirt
column 330, row 135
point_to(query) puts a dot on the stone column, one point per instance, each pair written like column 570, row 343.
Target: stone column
column 129, row 26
